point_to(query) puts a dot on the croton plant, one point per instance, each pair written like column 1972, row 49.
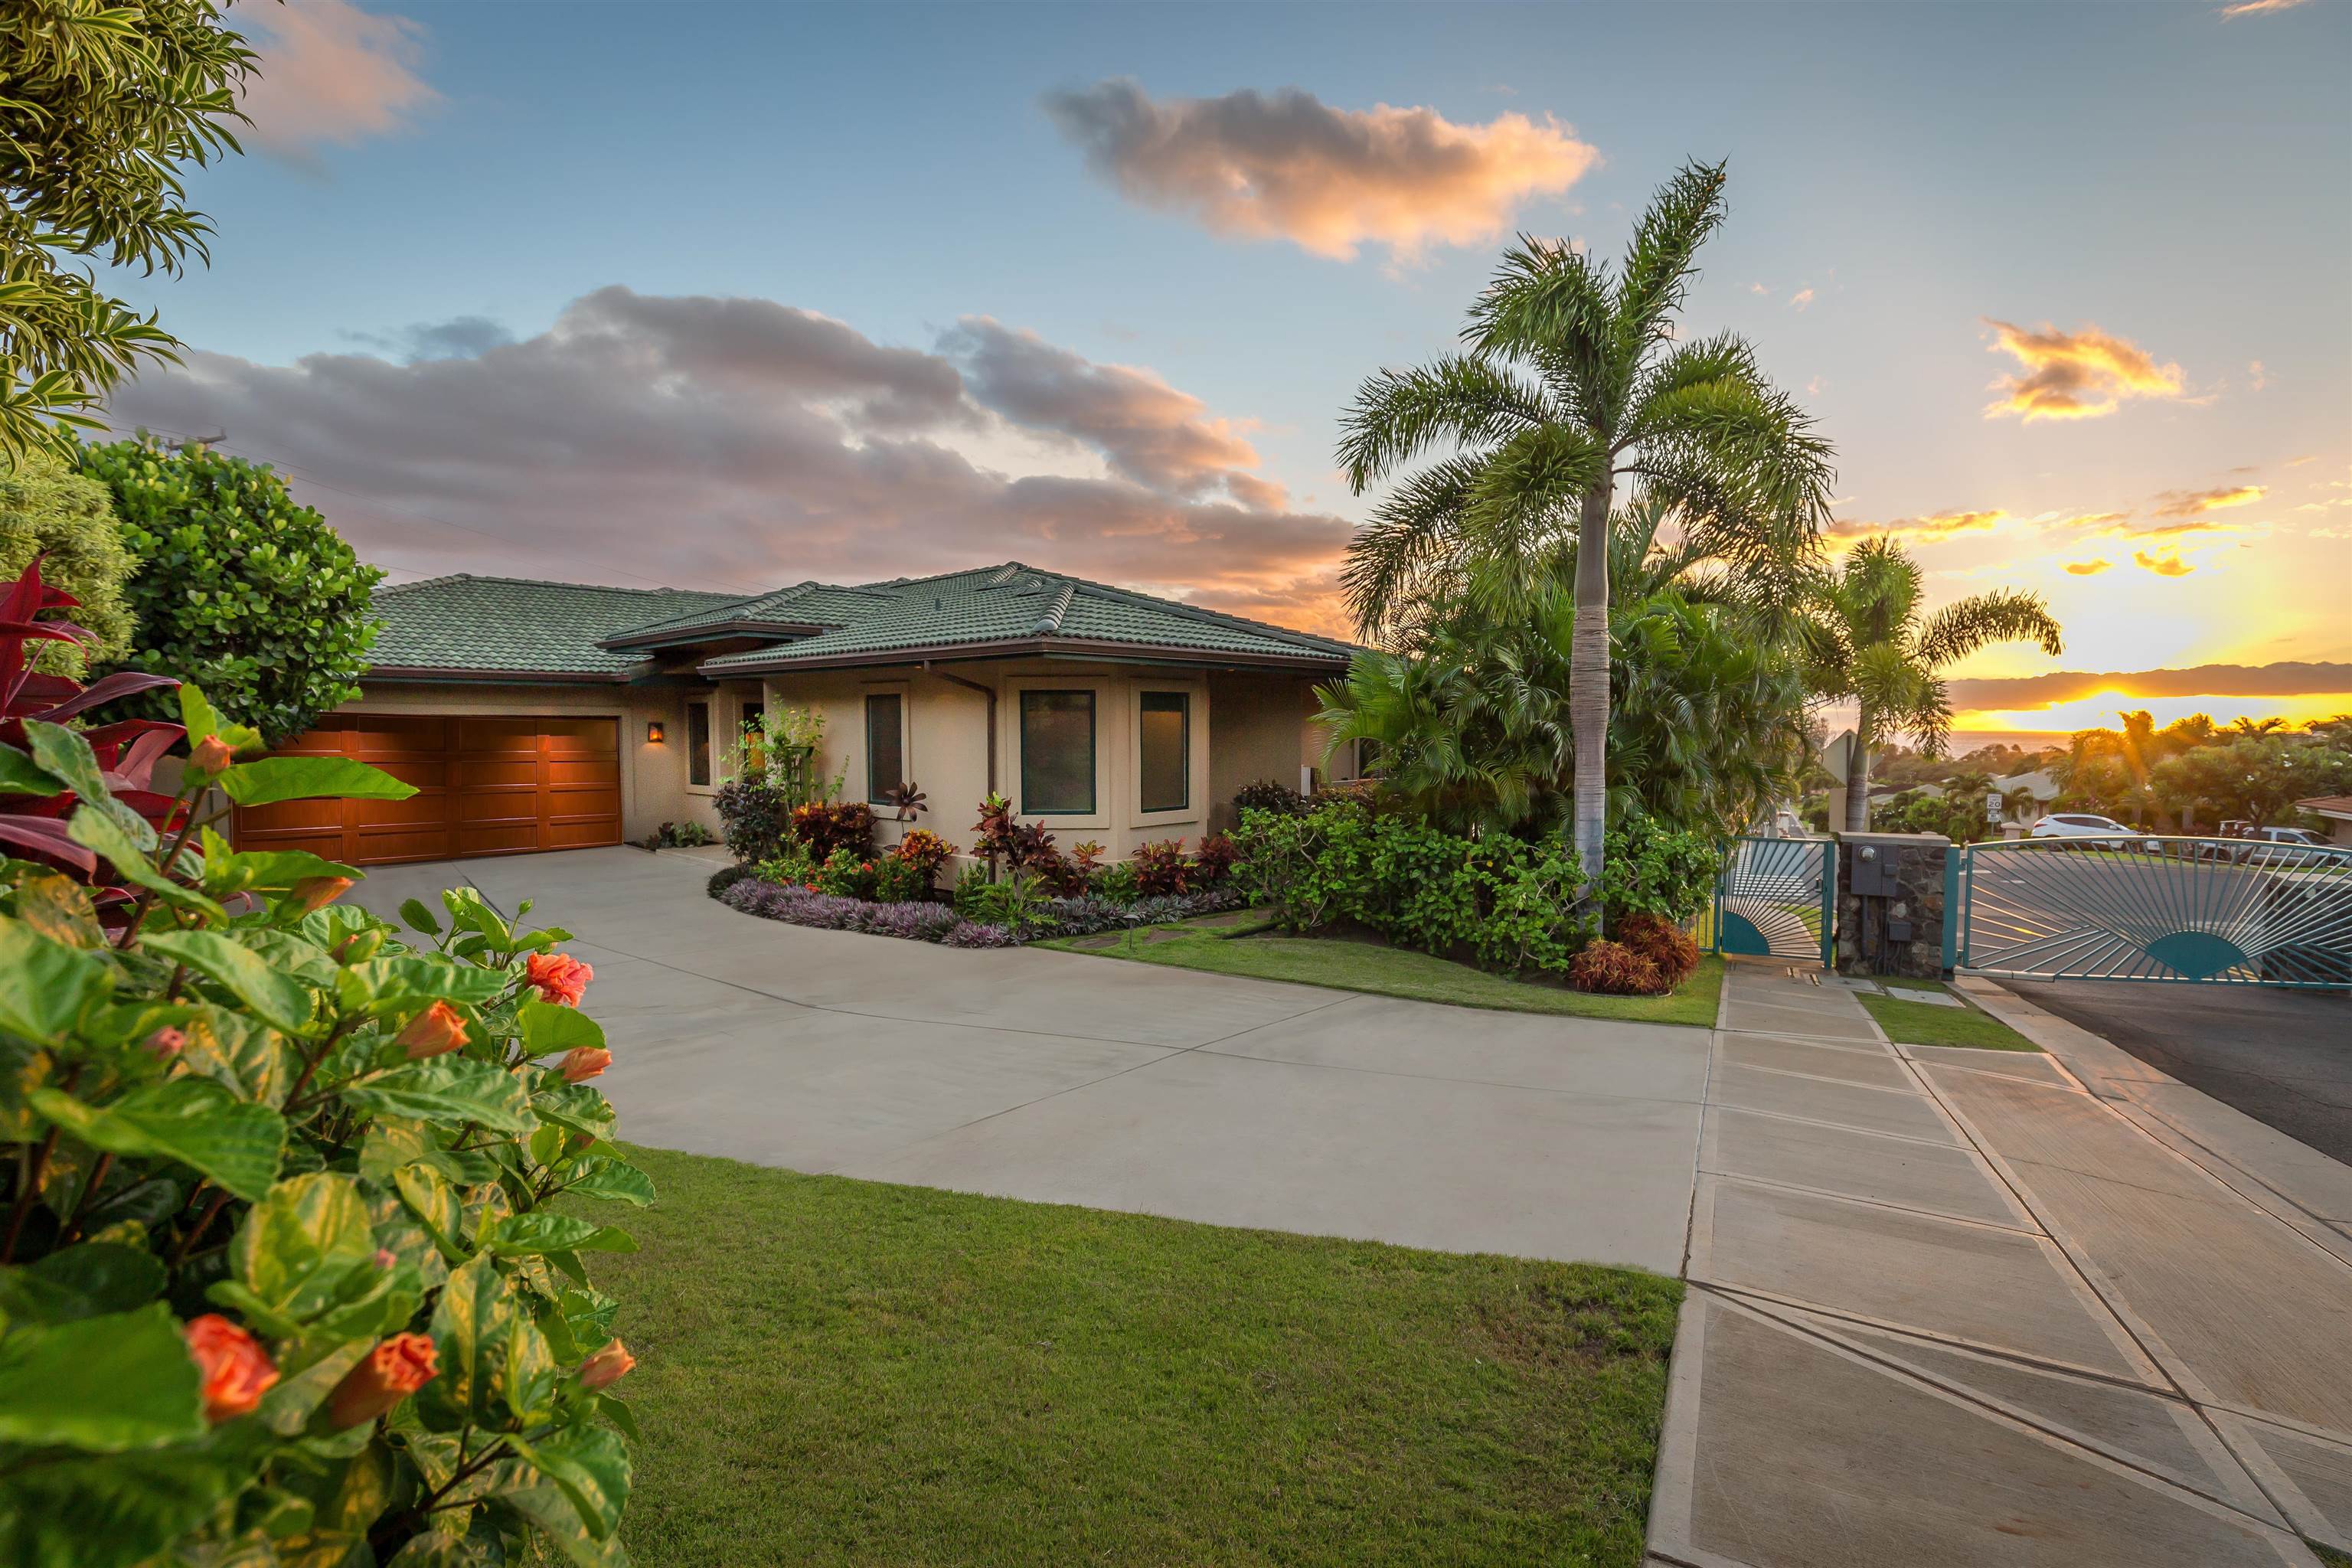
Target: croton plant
column 283, row 1274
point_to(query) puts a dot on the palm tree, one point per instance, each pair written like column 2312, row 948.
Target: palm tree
column 1871, row 644
column 1575, row 379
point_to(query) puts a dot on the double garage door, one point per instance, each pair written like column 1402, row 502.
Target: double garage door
column 486, row 784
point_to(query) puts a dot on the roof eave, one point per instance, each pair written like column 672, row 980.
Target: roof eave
column 1098, row 649
column 446, row 675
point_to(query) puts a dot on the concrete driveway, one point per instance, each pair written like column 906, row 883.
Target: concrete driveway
column 1067, row 1078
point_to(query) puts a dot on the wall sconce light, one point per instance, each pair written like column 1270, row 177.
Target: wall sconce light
column 653, row 731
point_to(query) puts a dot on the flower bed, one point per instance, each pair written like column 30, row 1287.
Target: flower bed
column 925, row 921
column 823, row 875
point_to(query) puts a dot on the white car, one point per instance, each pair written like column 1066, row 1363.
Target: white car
column 2083, row 824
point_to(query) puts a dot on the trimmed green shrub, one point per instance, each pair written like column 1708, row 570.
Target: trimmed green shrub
column 1510, row 903
column 237, row 587
column 49, row 510
column 1654, row 870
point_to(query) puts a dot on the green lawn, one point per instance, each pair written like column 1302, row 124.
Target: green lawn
column 1348, row 965
column 1925, row 1023
column 834, row 1371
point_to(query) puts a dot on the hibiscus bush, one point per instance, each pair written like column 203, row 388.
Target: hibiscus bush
column 282, row 1279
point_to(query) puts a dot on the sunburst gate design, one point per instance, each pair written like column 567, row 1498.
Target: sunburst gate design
column 2213, row 910
column 1774, row 900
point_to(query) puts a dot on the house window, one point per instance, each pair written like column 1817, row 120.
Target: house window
column 698, row 744
column 1166, row 770
column 1058, row 753
column 885, row 754
column 754, row 737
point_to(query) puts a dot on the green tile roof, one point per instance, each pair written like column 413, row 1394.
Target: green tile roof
column 496, row 624
column 1014, row 603
column 485, row 624
column 802, row 604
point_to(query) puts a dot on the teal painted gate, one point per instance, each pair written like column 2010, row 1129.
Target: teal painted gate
column 2217, row 911
column 1775, row 897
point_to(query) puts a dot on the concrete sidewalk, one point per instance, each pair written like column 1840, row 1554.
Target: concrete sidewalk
column 1956, row 1307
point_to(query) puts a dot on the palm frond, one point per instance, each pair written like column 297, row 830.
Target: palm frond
column 1659, row 263
column 1960, row 628
column 1413, row 533
column 1399, row 414
column 1551, row 304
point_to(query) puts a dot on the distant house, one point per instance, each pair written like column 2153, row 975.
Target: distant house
column 2039, row 785
column 536, row 715
column 2336, row 810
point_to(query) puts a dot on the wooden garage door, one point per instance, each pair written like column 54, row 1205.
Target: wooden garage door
column 486, row 784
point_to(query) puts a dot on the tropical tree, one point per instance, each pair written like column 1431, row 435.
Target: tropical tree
column 103, row 108
column 237, row 584
column 1707, row 722
column 1574, row 379
column 51, row 513
column 1871, row 644
column 2256, row 777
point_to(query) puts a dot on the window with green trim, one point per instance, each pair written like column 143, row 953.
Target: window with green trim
column 1058, row 753
column 1165, row 769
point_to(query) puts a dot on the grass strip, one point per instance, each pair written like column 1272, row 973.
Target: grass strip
column 1349, row 965
column 1925, row 1023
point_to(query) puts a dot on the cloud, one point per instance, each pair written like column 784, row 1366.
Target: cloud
column 330, row 72
column 2257, row 377
column 1932, row 529
column 2196, row 503
column 2167, row 565
column 460, row 337
column 743, row 443
column 1759, row 289
column 1285, row 165
column 1144, row 428
column 1802, row 297
column 2082, row 374
column 2025, row 693
column 2087, row 568
column 2256, row 8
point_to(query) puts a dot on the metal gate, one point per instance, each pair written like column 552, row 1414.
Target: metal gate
column 1775, row 897
column 2219, row 911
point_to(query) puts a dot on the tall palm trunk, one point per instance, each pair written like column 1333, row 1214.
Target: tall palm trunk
column 1857, row 777
column 1588, row 685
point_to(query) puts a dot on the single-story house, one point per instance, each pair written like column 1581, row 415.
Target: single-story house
column 2336, row 810
column 537, row 716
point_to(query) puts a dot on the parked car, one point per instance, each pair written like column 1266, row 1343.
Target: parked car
column 2083, row 824
column 2263, row 846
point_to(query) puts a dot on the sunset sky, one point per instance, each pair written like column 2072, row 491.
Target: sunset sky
column 728, row 298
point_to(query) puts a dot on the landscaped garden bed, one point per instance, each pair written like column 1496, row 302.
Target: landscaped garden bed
column 835, row 1372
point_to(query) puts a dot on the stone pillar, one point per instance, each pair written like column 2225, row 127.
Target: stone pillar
column 1890, row 904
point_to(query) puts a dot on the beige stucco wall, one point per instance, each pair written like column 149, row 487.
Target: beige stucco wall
column 1260, row 728
column 1244, row 727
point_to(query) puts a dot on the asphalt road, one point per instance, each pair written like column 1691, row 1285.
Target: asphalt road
column 2283, row 1057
